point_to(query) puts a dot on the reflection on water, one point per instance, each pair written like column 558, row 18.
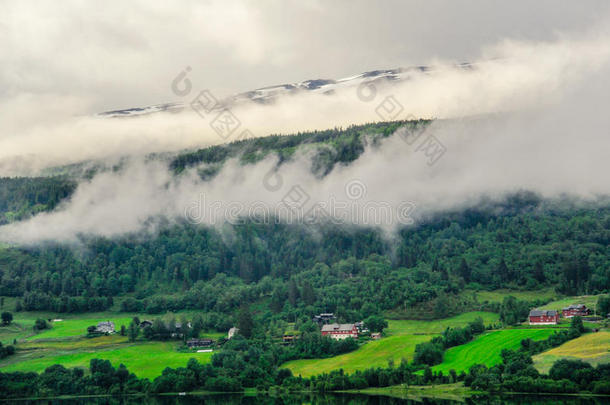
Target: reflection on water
column 316, row 399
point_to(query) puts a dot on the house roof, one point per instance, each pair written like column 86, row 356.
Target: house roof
column 109, row 324
column 338, row 327
column 538, row 312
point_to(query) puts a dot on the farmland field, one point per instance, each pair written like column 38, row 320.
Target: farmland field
column 593, row 348
column 486, row 348
column 403, row 336
column 64, row 343
column 77, row 327
column 143, row 359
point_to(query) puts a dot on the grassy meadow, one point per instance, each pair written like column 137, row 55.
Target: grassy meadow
column 402, row 337
column 589, row 300
column 593, row 348
column 143, row 359
column 499, row 295
column 486, row 348
column 65, row 343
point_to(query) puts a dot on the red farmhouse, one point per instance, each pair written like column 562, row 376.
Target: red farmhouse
column 340, row 331
column 542, row 317
column 575, row 310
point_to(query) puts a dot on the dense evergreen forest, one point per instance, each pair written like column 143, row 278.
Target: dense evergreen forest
column 296, row 272
column 24, row 196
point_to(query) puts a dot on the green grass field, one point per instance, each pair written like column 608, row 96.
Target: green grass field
column 486, row 348
column 147, row 359
column 593, row 348
column 65, row 344
column 77, row 327
column 403, row 336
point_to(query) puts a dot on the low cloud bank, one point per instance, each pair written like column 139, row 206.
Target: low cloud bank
column 541, row 126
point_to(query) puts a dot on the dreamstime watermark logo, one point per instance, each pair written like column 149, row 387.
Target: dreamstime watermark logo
column 298, row 207
column 219, row 117
column 390, row 109
column 355, row 189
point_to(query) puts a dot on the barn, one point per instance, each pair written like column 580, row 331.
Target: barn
column 575, row 310
column 543, row 317
column 340, row 330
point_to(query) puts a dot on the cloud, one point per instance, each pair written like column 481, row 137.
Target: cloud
column 510, row 76
column 528, row 115
column 557, row 150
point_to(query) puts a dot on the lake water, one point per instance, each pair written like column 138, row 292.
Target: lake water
column 321, row 399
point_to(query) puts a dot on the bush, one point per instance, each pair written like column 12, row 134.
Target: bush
column 40, row 324
column 7, row 318
column 429, row 353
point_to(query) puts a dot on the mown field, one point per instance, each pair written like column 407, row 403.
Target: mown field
column 144, row 359
column 593, row 348
column 403, row 336
column 65, row 343
column 486, row 348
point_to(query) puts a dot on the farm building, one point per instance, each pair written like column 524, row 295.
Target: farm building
column 340, row 331
column 192, row 343
column 145, row 324
column 575, row 310
column 324, row 318
column 543, row 317
column 105, row 327
column 361, row 327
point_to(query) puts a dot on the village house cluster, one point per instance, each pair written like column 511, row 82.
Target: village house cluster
column 551, row 317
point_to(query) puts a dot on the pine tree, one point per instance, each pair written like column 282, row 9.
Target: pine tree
column 464, row 270
column 245, row 323
column 308, row 294
column 293, row 292
column 538, row 272
column 133, row 331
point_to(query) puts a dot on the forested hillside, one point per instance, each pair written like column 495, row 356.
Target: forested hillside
column 22, row 197
column 289, row 269
column 523, row 242
column 25, row 196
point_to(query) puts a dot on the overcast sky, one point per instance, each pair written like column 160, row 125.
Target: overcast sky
column 78, row 57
